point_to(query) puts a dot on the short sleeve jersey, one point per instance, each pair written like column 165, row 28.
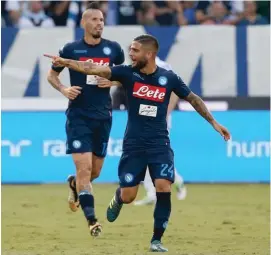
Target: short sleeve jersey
column 148, row 98
column 93, row 101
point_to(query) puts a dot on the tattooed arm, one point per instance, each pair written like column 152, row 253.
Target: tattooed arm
column 81, row 66
column 182, row 91
column 201, row 108
column 88, row 68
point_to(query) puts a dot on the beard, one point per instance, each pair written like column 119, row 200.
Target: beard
column 141, row 64
column 97, row 35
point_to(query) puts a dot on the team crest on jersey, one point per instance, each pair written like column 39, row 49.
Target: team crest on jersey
column 129, row 178
column 162, row 80
column 76, row 144
column 107, row 50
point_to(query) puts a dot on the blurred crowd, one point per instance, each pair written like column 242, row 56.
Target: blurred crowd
column 25, row 14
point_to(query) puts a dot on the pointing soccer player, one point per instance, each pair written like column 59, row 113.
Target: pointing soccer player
column 146, row 141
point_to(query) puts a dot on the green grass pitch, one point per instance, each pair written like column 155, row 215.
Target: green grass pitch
column 213, row 220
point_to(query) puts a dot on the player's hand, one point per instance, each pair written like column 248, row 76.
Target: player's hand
column 103, row 82
column 71, row 92
column 222, row 131
column 56, row 60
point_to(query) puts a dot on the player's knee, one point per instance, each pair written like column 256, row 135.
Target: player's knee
column 163, row 189
column 82, row 165
column 86, row 170
column 162, row 185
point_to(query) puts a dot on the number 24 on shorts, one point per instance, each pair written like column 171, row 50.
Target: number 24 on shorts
column 167, row 170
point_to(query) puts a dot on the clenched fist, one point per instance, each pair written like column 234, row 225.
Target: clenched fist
column 71, row 92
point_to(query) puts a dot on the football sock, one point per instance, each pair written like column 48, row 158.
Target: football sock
column 161, row 214
column 87, row 204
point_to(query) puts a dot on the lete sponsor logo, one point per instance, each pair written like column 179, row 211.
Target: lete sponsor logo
column 149, row 92
column 98, row 61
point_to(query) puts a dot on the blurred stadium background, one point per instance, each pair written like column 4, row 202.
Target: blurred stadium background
column 220, row 49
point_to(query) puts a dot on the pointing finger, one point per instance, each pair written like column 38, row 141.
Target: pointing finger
column 49, row 56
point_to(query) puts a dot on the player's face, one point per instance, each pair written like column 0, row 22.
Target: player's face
column 93, row 23
column 138, row 55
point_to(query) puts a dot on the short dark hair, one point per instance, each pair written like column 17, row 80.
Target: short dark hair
column 148, row 39
column 93, row 6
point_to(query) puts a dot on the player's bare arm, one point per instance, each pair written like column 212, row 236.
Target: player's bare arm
column 71, row 92
column 104, row 74
column 88, row 68
column 202, row 109
column 105, row 83
column 53, row 79
column 172, row 103
column 81, row 66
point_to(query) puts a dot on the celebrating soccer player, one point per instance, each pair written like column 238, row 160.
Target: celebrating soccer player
column 150, row 197
column 89, row 114
column 146, row 142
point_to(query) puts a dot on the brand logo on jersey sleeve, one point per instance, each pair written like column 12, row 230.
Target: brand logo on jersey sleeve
column 149, row 92
column 98, row 61
column 80, row 51
column 138, row 75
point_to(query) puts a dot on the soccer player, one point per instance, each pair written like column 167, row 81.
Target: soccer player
column 150, row 197
column 146, row 141
column 89, row 113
